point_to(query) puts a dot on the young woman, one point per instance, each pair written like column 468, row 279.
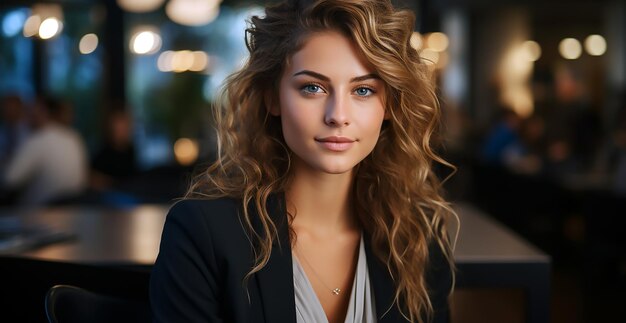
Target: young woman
column 322, row 206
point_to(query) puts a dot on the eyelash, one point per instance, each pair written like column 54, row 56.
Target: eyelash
column 304, row 87
column 304, row 90
column 372, row 91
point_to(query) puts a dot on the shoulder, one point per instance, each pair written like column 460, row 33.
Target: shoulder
column 214, row 222
column 212, row 230
column 211, row 212
column 199, row 207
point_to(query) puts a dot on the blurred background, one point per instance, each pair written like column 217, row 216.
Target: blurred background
column 107, row 103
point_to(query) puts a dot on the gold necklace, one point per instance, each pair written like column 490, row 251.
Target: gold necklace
column 335, row 291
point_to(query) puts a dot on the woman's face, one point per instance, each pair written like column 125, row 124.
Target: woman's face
column 331, row 104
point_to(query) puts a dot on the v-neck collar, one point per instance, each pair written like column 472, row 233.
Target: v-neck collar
column 275, row 279
column 301, row 279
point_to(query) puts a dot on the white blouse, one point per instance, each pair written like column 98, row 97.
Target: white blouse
column 361, row 308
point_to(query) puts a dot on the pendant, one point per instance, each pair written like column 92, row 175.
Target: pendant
column 336, row 291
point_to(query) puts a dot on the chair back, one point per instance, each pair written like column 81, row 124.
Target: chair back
column 71, row 304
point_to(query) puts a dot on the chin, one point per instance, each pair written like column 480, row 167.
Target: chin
column 335, row 165
column 336, row 171
column 336, row 168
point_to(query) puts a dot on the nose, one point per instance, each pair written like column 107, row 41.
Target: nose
column 338, row 111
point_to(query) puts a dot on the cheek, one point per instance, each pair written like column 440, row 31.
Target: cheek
column 295, row 117
column 373, row 121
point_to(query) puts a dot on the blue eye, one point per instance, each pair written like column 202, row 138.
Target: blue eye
column 363, row 91
column 312, row 88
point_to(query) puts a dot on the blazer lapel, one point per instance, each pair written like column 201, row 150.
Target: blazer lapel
column 275, row 280
column 384, row 291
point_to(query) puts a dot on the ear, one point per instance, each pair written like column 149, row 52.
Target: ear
column 387, row 116
column 270, row 103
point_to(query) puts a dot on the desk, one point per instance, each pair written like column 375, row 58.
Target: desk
column 104, row 236
column 490, row 255
column 487, row 253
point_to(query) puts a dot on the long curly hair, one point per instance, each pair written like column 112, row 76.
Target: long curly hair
column 396, row 194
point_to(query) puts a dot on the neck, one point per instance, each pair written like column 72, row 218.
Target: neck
column 321, row 202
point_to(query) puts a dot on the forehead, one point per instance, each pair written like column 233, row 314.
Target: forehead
column 330, row 52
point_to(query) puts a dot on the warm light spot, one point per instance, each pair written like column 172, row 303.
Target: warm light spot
column 514, row 73
column 49, row 28
column 186, row 151
column 192, row 12
column 531, row 50
column 164, row 63
column 145, row 42
column 570, row 48
column 437, row 41
column 200, row 61
column 442, row 62
column 182, row 61
column 140, row 5
column 429, row 56
column 416, row 40
column 88, row 44
column 595, row 45
column 31, row 26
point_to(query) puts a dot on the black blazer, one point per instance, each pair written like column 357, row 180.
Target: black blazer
column 205, row 255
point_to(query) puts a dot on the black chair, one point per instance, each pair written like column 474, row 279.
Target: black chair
column 70, row 304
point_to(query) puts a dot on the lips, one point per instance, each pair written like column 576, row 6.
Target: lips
column 336, row 143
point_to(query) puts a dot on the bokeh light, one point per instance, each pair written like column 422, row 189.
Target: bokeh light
column 164, row 62
column 532, row 50
column 416, row 40
column 192, row 12
column 140, row 5
column 145, row 42
column 429, row 56
column 570, row 48
column 13, row 22
column 50, row 28
column 31, row 26
column 186, row 151
column 88, row 44
column 183, row 61
column 595, row 45
column 200, row 61
column 437, row 41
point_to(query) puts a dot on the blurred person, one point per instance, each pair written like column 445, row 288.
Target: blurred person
column 503, row 139
column 115, row 161
column 14, row 128
column 322, row 205
column 504, row 146
column 52, row 163
column 532, row 133
column 574, row 135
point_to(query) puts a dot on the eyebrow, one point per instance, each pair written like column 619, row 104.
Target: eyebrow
column 326, row 79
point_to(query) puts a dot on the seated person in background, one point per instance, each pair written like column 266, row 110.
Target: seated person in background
column 13, row 127
column 506, row 146
column 115, row 161
column 52, row 162
column 14, row 130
